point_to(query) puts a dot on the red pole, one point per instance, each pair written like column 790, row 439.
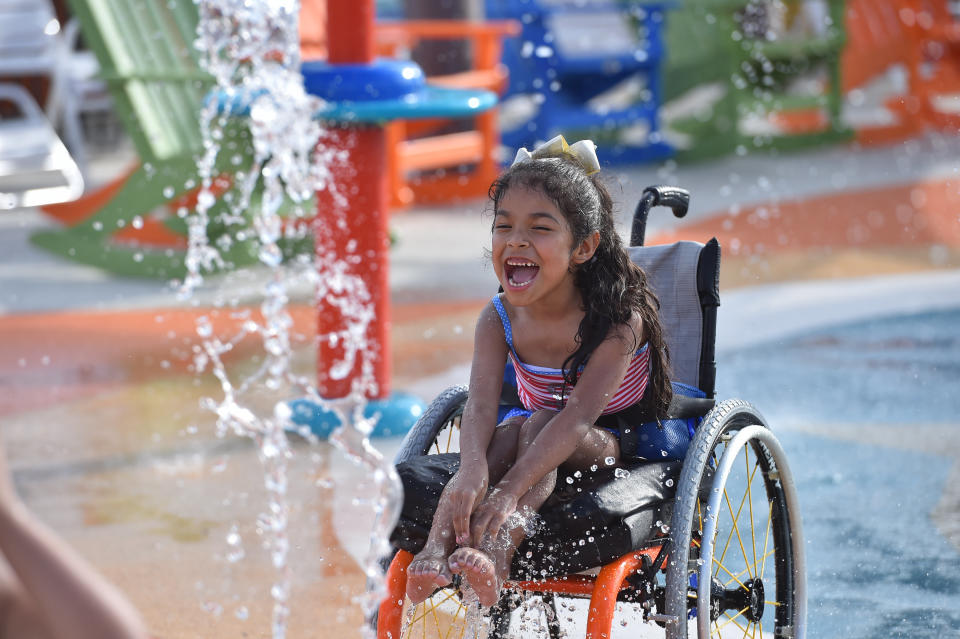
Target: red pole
column 350, row 31
column 362, row 184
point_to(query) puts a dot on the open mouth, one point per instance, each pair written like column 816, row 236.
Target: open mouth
column 519, row 272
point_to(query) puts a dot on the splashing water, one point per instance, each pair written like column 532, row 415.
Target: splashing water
column 252, row 51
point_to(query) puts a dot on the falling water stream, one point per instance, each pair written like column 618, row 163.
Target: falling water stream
column 252, row 51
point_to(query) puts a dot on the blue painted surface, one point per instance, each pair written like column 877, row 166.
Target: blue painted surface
column 903, row 369
column 562, row 80
column 877, row 565
column 382, row 80
column 372, row 94
column 395, row 415
column 386, row 90
column 429, row 102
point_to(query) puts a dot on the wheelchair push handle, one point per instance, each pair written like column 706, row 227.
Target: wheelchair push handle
column 677, row 199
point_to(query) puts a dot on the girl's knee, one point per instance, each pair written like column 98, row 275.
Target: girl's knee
column 534, row 424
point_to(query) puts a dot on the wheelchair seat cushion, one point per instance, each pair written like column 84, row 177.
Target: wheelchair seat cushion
column 590, row 519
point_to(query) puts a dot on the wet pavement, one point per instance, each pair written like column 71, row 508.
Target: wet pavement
column 868, row 414
column 849, row 350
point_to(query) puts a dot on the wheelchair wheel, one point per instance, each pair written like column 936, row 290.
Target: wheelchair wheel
column 438, row 429
column 445, row 613
column 736, row 564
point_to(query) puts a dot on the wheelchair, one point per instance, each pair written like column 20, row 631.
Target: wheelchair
column 707, row 545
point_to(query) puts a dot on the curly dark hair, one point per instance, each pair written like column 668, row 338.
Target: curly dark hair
column 612, row 287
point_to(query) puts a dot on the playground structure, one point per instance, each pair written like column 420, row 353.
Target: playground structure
column 426, row 161
column 879, row 42
column 134, row 226
column 798, row 68
column 920, row 39
column 357, row 118
column 426, row 165
column 934, row 73
column 586, row 69
column 775, row 69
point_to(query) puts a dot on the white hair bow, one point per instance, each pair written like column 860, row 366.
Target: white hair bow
column 584, row 152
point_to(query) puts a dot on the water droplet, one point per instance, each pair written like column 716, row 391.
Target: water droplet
column 610, row 461
column 204, row 328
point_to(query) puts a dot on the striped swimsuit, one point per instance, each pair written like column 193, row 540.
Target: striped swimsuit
column 544, row 388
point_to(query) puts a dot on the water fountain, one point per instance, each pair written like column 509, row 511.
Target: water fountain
column 252, row 50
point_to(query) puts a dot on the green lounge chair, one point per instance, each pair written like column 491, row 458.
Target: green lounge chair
column 754, row 73
column 146, row 54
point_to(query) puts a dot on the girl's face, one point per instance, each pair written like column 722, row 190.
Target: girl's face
column 533, row 247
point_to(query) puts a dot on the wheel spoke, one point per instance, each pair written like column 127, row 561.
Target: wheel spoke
column 730, row 620
column 453, row 424
column 739, row 574
column 700, row 514
column 735, row 518
column 753, row 534
column 463, row 629
column 724, row 569
column 736, row 528
column 766, row 537
column 430, row 607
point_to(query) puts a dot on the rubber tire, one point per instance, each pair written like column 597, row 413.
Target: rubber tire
column 420, row 439
column 728, row 417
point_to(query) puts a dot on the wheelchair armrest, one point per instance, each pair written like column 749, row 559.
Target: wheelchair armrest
column 682, row 407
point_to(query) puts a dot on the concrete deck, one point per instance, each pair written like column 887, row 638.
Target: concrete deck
column 100, row 411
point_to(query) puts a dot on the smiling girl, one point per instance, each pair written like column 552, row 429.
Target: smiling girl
column 580, row 326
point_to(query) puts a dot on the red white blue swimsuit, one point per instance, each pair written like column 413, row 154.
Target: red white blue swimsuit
column 545, row 388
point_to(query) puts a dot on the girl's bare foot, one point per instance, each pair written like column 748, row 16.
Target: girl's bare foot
column 480, row 572
column 427, row 572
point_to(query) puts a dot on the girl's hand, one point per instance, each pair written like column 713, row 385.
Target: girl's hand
column 491, row 514
column 466, row 488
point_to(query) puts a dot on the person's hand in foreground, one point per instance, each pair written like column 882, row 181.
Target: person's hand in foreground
column 46, row 589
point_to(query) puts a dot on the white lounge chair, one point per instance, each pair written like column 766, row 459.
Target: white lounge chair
column 35, row 167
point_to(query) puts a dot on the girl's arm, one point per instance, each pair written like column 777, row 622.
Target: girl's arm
column 50, row 591
column 479, row 419
column 559, row 439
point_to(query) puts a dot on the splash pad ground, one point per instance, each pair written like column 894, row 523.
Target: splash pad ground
column 100, row 412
